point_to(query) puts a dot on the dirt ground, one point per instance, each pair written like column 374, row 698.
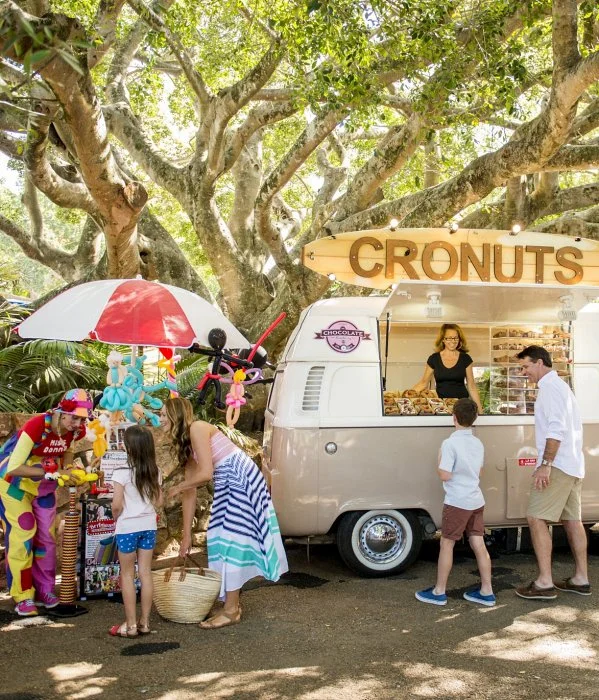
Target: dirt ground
column 324, row 633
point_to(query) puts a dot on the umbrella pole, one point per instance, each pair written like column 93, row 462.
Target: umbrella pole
column 68, row 587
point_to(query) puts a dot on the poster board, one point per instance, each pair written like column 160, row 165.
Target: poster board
column 114, row 458
column 99, row 570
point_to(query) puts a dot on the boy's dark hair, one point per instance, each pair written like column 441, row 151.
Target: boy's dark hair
column 536, row 352
column 465, row 412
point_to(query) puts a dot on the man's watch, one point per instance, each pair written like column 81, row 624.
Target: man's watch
column 546, row 463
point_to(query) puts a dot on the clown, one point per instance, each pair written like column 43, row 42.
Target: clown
column 29, row 464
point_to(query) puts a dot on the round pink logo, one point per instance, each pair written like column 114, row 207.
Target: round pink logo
column 343, row 336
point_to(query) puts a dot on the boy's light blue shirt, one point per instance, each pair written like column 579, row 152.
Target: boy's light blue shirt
column 463, row 455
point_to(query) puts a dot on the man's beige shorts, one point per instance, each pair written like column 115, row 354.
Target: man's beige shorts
column 561, row 500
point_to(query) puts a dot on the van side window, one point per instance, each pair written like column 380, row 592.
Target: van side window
column 273, row 397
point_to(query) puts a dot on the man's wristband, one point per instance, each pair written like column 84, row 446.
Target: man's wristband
column 546, row 463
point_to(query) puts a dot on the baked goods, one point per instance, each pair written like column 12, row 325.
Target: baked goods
column 426, row 410
column 409, row 394
column 406, row 407
column 429, row 394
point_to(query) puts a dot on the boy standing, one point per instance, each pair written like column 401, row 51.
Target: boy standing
column 460, row 462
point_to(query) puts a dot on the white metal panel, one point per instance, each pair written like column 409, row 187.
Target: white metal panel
column 484, row 302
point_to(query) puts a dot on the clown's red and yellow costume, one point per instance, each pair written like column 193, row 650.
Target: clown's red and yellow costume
column 28, row 503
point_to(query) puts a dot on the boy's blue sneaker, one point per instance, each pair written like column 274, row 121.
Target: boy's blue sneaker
column 475, row 596
column 427, row 596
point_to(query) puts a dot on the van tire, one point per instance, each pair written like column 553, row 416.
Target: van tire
column 358, row 550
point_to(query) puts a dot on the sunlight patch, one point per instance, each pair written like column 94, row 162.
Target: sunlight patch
column 532, row 637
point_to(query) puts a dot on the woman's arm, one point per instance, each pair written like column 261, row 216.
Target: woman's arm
column 426, row 378
column 118, row 500
column 473, row 389
column 201, row 469
column 188, row 504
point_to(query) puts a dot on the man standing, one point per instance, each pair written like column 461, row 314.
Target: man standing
column 557, row 479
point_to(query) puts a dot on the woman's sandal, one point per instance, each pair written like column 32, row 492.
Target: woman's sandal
column 123, row 631
column 143, row 629
column 230, row 619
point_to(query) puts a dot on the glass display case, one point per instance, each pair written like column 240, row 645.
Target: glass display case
column 509, row 392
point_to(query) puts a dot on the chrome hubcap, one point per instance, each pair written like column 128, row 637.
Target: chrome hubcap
column 382, row 539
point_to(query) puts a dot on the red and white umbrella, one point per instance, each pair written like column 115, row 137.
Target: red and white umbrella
column 130, row 312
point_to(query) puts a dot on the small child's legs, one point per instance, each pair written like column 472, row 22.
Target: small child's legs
column 127, row 562
column 144, row 570
column 136, row 546
column 483, row 560
column 444, row 565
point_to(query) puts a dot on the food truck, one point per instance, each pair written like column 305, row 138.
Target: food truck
column 351, row 452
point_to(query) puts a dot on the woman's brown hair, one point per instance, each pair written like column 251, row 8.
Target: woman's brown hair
column 439, row 344
column 141, row 456
column 180, row 415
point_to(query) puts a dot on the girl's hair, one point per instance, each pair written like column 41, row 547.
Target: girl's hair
column 180, row 415
column 141, row 456
column 439, row 344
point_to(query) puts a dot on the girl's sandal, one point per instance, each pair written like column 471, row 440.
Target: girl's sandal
column 143, row 629
column 230, row 619
column 123, row 631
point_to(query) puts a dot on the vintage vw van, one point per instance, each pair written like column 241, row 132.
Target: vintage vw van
column 342, row 456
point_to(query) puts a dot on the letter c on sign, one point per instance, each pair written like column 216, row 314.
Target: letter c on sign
column 354, row 253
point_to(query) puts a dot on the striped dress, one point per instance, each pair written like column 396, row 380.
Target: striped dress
column 244, row 540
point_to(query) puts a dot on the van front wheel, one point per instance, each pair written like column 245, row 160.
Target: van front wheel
column 379, row 542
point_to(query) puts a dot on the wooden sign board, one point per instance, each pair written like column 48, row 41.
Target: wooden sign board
column 382, row 257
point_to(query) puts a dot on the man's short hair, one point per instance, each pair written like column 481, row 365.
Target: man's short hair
column 465, row 412
column 536, row 352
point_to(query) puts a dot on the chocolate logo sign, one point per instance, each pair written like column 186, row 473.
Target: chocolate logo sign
column 343, row 336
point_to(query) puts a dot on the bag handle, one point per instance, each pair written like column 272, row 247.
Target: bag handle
column 183, row 572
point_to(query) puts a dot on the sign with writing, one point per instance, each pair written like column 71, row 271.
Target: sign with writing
column 527, row 462
column 379, row 258
column 342, row 336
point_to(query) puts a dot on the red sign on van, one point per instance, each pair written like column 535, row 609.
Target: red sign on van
column 527, row 462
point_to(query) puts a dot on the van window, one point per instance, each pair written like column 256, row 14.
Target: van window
column 273, row 397
column 496, row 369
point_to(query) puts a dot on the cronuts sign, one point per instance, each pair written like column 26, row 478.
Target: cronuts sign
column 380, row 258
column 489, row 263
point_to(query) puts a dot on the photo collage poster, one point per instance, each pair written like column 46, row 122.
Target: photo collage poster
column 100, row 570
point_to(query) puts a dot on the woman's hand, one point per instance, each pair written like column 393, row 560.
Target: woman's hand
column 185, row 546
column 173, row 492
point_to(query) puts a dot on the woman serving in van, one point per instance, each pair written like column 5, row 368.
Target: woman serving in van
column 451, row 367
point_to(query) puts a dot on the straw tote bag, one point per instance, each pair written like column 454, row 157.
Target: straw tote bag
column 185, row 593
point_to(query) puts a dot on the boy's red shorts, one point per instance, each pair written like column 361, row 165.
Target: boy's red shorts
column 456, row 522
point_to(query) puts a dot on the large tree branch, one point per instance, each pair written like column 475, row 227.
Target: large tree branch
column 105, row 28
column 129, row 131
column 159, row 252
column 313, row 135
column 196, row 81
column 35, row 244
column 240, row 93
column 391, row 154
column 62, row 192
column 259, row 117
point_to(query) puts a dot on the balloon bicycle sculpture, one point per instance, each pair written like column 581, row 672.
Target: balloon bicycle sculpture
column 238, row 370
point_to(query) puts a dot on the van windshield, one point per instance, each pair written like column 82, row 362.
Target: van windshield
column 425, row 370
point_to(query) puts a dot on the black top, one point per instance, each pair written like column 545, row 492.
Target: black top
column 450, row 381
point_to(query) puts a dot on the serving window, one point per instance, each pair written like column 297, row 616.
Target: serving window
column 494, row 349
